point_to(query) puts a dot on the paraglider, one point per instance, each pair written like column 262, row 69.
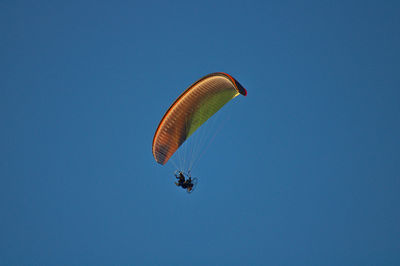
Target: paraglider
column 191, row 110
column 187, row 184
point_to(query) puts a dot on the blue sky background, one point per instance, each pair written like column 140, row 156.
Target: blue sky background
column 306, row 171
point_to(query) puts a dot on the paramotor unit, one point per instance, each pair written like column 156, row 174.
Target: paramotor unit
column 186, row 181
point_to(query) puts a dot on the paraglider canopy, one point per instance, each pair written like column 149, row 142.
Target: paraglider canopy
column 190, row 110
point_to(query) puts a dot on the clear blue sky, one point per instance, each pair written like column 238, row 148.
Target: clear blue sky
column 306, row 171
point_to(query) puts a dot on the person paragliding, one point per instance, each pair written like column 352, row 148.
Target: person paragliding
column 184, row 183
column 188, row 112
